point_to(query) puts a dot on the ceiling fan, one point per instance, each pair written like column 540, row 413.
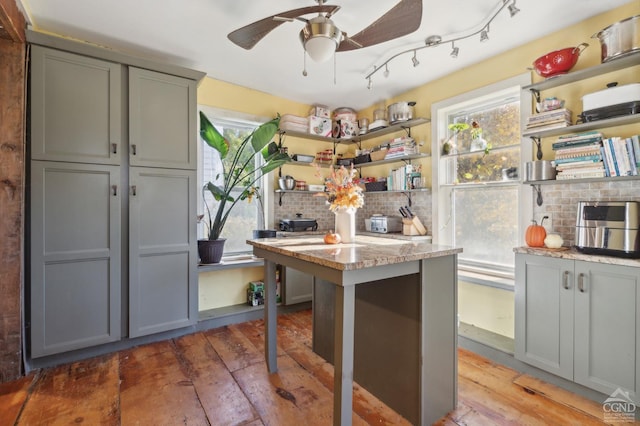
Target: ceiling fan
column 321, row 37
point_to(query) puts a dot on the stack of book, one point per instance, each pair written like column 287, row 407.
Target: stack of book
column 401, row 147
column 579, row 156
column 590, row 155
column 547, row 120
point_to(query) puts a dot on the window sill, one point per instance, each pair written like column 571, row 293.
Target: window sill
column 235, row 262
column 486, row 280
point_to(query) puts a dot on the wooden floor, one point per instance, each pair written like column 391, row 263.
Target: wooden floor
column 219, row 377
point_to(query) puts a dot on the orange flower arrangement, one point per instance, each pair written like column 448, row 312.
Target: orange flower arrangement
column 341, row 189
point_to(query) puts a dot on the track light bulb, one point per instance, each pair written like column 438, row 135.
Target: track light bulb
column 415, row 59
column 369, row 84
column 386, row 71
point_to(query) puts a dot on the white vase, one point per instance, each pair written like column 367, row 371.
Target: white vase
column 346, row 224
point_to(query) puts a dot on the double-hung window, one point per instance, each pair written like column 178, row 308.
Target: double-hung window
column 245, row 216
column 479, row 203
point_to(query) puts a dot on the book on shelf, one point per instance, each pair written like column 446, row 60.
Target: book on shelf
column 592, row 158
column 576, row 140
column 578, row 151
column 551, row 113
column 551, row 126
column 581, row 165
column 581, row 175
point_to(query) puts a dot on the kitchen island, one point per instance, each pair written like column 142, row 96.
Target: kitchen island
column 385, row 312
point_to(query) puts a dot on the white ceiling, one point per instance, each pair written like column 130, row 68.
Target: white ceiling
column 193, row 34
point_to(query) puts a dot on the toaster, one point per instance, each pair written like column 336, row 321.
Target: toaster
column 608, row 227
column 386, row 224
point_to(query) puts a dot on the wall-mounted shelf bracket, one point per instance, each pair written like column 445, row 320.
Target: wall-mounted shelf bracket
column 408, row 195
column 539, row 194
column 536, row 94
column 537, row 141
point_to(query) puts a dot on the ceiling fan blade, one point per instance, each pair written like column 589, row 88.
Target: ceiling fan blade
column 404, row 18
column 249, row 35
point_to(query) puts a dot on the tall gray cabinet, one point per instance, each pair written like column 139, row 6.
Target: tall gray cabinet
column 112, row 205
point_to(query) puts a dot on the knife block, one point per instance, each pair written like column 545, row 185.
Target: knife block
column 413, row 226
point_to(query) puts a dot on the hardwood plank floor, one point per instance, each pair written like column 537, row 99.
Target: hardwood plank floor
column 219, row 377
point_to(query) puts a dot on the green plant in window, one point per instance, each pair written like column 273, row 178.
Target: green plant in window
column 239, row 169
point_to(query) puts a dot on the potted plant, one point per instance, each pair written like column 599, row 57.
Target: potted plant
column 239, row 174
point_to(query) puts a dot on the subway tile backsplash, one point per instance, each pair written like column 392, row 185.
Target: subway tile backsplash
column 561, row 200
column 386, row 203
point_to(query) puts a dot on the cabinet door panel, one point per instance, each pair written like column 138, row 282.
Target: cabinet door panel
column 75, row 256
column 607, row 323
column 298, row 286
column 162, row 250
column 544, row 314
column 76, row 105
column 162, row 120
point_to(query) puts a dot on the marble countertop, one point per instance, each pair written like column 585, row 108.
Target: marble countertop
column 365, row 252
column 571, row 253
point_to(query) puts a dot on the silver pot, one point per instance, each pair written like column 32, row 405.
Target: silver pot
column 540, row 170
column 286, row 183
column 619, row 39
column 400, row 111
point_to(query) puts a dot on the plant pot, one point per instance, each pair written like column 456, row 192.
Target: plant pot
column 210, row 251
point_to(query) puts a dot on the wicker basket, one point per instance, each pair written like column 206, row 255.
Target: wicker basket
column 376, row 186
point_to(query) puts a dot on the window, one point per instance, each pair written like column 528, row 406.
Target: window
column 479, row 202
column 246, row 216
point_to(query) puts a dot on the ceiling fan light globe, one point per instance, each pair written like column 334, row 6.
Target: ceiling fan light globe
column 320, row 38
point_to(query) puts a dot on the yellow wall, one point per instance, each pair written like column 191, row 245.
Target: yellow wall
column 485, row 307
column 228, row 96
column 227, row 287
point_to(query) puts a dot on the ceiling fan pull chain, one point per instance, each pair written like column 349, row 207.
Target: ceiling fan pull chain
column 304, row 62
column 334, row 68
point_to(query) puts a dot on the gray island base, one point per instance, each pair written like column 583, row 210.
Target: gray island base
column 384, row 313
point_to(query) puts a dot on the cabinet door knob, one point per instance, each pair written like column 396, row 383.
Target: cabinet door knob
column 565, row 280
column 133, row 149
column 581, row 282
column 114, row 148
column 134, row 190
column 114, row 188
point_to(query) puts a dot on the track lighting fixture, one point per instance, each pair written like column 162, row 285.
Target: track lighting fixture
column 454, row 50
column 436, row 40
column 415, row 59
column 513, row 10
column 484, row 35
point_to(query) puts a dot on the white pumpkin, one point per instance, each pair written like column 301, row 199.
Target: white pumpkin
column 553, row 241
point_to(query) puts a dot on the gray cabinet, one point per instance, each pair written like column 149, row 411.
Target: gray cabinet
column 75, row 106
column 162, row 120
column 580, row 320
column 162, row 250
column 75, row 256
column 298, row 286
column 112, row 236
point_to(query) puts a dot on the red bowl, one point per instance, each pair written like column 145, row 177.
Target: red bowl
column 558, row 62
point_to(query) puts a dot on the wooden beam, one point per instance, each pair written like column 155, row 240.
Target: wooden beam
column 12, row 21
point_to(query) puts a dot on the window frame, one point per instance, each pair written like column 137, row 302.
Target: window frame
column 442, row 204
column 218, row 114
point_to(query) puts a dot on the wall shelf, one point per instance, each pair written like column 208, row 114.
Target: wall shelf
column 584, row 127
column 572, row 77
column 405, row 125
column 584, row 180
